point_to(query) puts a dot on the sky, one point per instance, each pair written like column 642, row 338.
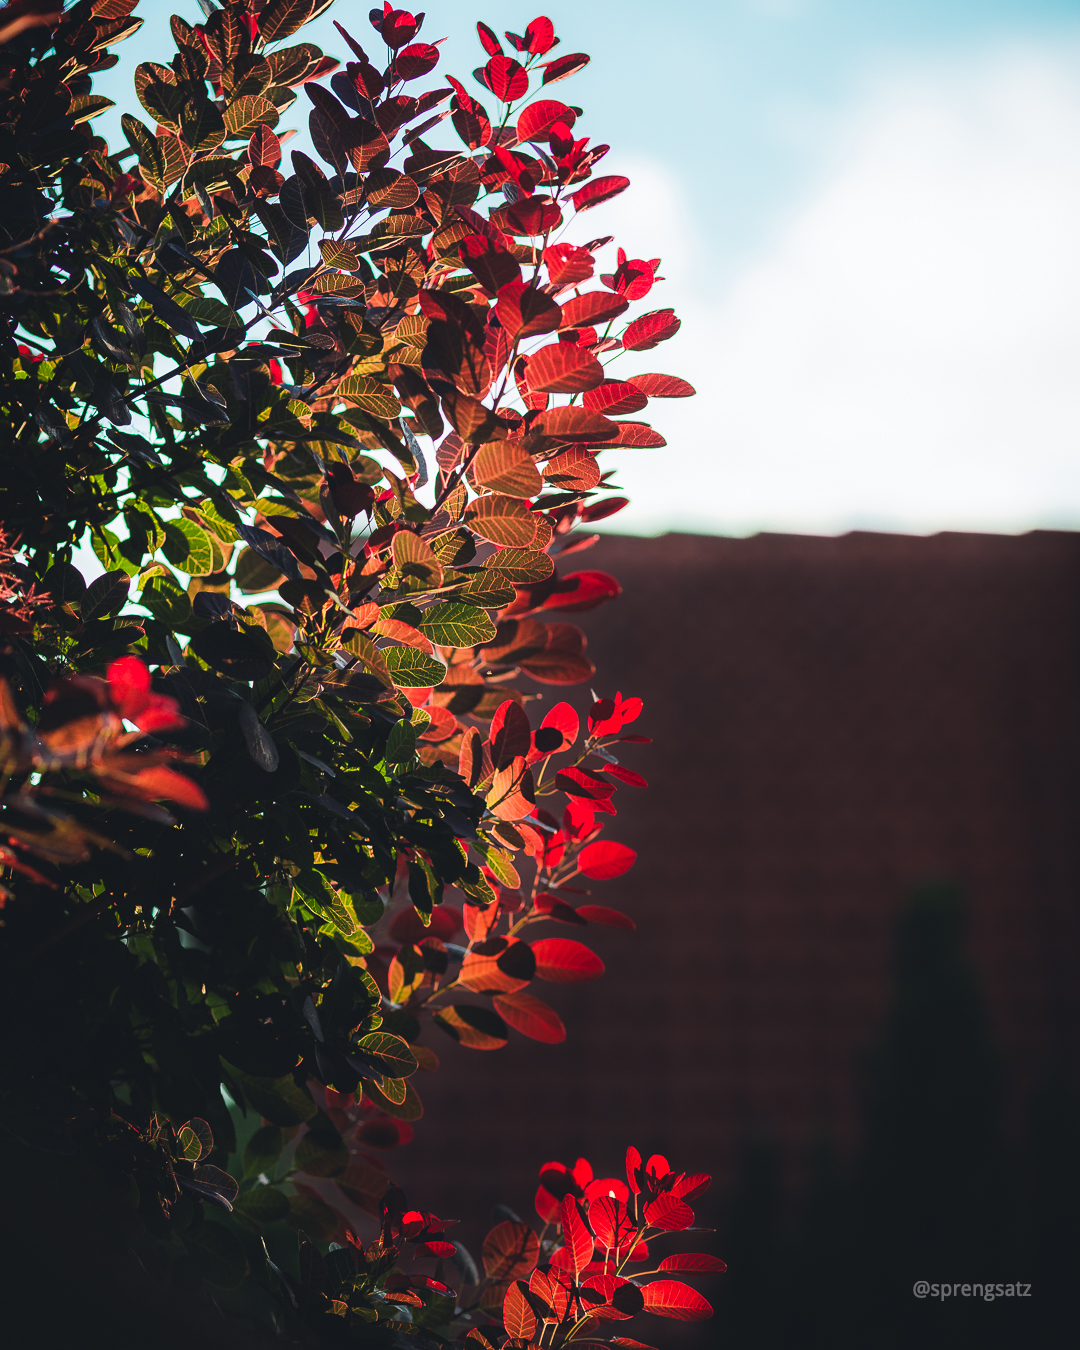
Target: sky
column 868, row 213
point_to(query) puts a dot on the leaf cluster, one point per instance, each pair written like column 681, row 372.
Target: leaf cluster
column 329, row 426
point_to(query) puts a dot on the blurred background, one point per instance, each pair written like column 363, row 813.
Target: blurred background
column 852, row 606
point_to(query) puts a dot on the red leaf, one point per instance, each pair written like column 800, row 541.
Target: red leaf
column 531, row 1016
column 417, row 60
column 622, row 1299
column 561, row 961
column 162, row 782
column 264, row 148
column 650, row 330
column 670, row 1298
column 592, row 308
column 624, row 710
column 488, row 40
column 599, row 190
column 610, row 1188
column 691, row 1185
column 633, row 1161
column 601, row 510
column 612, row 1224
column 525, row 311
column 529, row 218
column 479, row 922
column 510, row 734
column 582, row 783
column 562, row 368
column 564, row 66
column 518, row 1318
column 506, row 78
column 625, row 775
column 557, row 909
column 606, row 859
column 509, row 1251
column 607, row 918
column 693, row 1261
column 615, row 397
column 567, row 264
column 582, row 590
column 538, row 118
column 539, row 36
column 575, row 470
column 638, row 434
column 566, row 720
column 573, row 424
column 499, row 965
column 576, row 1236
column 663, row 386
column 670, row 1213
column 628, row 1344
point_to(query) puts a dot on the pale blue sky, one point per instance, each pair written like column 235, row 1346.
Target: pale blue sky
column 869, row 213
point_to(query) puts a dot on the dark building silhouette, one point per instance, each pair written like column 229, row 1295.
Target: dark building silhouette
column 836, row 720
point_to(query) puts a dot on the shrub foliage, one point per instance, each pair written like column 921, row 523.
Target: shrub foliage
column 329, row 425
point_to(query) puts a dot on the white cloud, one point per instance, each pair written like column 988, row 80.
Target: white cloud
column 906, row 352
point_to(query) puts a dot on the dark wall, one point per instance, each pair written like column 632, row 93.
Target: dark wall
column 834, row 721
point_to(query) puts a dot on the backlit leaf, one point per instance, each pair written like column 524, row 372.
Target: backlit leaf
column 576, row 1236
column 564, row 66
column 696, row 1261
column 531, row 1016
column 605, row 859
column 562, row 961
column 508, row 521
column 599, row 190
column 607, row 918
column 519, row 1320
column 563, row 368
column 478, row 1028
column 249, row 112
column 671, row 1298
column 390, row 1053
column 503, row 466
column 650, row 330
column 510, row 1251
column 663, row 386
column 615, row 398
column 575, row 424
column 521, row 565
column 670, row 1213
column 412, row 669
column 591, row 310
column 453, row 624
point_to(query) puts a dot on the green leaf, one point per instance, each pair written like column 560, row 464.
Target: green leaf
column 411, row 1108
column 365, row 650
column 389, row 1053
column 202, row 125
column 194, row 1139
column 454, row 624
column 263, row 1204
column 413, row 669
column 147, row 147
column 370, row 395
column 319, row 897
column 489, row 590
column 248, row 112
column 106, row 546
column 277, row 1100
column 520, row 565
column 322, row 1151
column 212, row 313
column 106, row 595
column 188, row 548
column 401, row 743
column 263, row 1150
column 308, row 1214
